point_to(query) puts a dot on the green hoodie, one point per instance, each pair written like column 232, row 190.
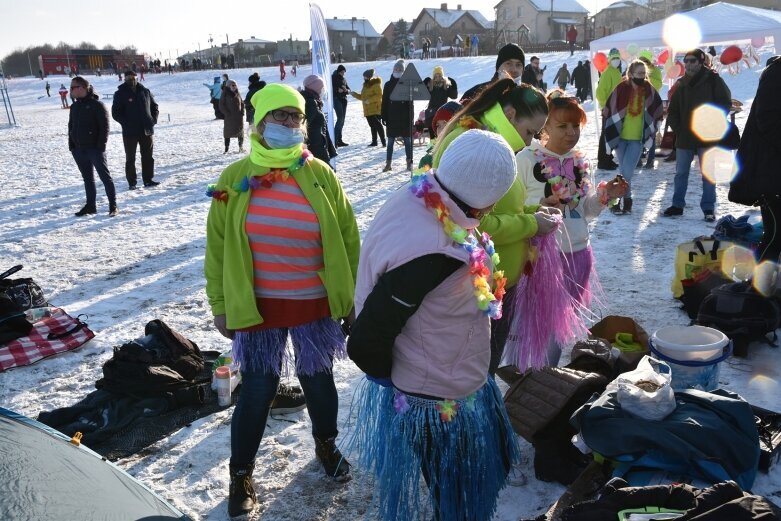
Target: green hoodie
column 228, row 265
column 510, row 224
column 608, row 82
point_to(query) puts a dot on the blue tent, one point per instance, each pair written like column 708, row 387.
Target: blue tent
column 44, row 476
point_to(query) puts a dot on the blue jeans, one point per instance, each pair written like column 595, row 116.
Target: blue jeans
column 628, row 153
column 257, row 393
column 683, row 163
column 87, row 159
column 407, row 148
column 340, row 107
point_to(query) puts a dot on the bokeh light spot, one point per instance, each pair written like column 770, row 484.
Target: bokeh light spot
column 709, row 123
column 738, row 263
column 719, row 165
column 681, row 32
column 765, row 278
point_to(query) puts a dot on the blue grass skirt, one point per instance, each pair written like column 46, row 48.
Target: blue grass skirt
column 462, row 449
column 315, row 345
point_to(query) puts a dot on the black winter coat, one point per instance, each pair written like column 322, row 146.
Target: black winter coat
column 704, row 87
column 396, row 114
column 580, row 76
column 253, row 88
column 318, row 140
column 340, row 87
column 439, row 96
column 88, row 124
column 135, row 111
column 530, row 76
column 759, row 153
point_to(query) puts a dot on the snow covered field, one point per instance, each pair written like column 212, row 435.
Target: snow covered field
column 147, row 263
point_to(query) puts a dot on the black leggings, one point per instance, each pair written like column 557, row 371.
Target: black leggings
column 228, row 142
column 376, row 126
column 770, row 245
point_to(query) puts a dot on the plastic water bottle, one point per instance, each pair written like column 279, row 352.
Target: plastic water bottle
column 223, row 378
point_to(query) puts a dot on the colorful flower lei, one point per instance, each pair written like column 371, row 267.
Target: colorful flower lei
column 555, row 171
column 255, row 181
column 488, row 302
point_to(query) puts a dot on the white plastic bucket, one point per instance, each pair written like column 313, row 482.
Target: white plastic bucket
column 694, row 354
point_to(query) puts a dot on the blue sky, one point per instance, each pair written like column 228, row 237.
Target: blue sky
column 162, row 27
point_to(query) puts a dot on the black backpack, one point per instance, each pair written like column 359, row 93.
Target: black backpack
column 741, row 313
column 161, row 362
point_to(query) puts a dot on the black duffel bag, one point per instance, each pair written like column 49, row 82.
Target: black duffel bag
column 24, row 292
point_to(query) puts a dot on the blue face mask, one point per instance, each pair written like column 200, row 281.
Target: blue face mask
column 280, row 136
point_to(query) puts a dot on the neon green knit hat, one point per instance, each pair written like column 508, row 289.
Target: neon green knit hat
column 275, row 96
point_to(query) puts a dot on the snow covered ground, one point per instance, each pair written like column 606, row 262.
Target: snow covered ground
column 147, row 263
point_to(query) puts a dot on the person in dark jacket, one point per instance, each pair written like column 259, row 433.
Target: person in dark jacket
column 698, row 87
column 442, row 89
column 580, row 79
column 135, row 109
column 510, row 60
column 318, row 139
column 255, row 84
column 397, row 117
column 759, row 182
column 340, row 90
column 531, row 74
column 232, row 106
column 87, row 136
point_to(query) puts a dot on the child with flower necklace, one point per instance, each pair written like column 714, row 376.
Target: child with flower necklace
column 556, row 174
column 427, row 289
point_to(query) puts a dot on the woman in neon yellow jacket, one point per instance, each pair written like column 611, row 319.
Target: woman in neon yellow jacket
column 517, row 113
column 282, row 251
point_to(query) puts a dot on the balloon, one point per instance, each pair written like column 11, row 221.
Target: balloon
column 645, row 53
column 600, row 61
column 662, row 59
column 731, row 54
column 758, row 41
column 632, row 49
column 675, row 71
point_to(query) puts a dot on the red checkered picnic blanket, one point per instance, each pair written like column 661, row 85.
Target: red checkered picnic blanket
column 67, row 333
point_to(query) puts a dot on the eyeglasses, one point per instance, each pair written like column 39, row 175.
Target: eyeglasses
column 282, row 115
column 691, row 60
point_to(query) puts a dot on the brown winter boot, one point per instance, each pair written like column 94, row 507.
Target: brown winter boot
column 241, row 495
column 387, row 166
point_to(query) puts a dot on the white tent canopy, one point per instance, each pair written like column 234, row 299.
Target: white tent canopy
column 719, row 22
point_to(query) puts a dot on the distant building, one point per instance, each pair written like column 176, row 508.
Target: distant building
column 447, row 23
column 291, row 49
column 546, row 19
column 353, row 37
column 622, row 15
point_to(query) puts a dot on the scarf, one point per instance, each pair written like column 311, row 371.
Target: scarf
column 272, row 158
column 495, row 121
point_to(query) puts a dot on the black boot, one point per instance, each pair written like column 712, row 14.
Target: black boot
column 627, row 205
column 88, row 209
column 616, row 208
column 112, row 210
column 241, row 495
column 333, row 462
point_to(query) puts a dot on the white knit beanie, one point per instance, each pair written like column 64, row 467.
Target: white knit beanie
column 478, row 167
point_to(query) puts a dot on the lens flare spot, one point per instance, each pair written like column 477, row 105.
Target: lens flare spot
column 767, row 385
column 709, row 123
column 738, row 263
column 719, row 165
column 765, row 278
column 681, row 32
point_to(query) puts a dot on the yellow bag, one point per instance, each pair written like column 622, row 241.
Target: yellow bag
column 694, row 256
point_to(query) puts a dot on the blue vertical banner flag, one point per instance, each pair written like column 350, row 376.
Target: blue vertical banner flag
column 321, row 62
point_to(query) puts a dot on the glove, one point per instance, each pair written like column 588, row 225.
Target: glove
column 385, row 382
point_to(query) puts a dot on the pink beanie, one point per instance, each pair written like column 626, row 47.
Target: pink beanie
column 314, row 83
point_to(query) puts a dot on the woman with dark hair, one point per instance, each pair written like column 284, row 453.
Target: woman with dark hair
column 87, row 136
column 517, row 113
column 232, row 106
column 281, row 259
column 631, row 114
